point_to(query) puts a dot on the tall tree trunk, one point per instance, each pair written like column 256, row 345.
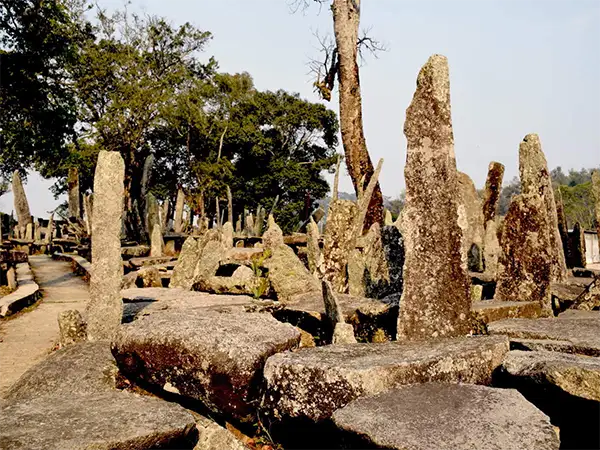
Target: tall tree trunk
column 346, row 19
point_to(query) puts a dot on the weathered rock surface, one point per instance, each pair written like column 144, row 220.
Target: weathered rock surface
column 210, row 257
column 493, row 187
column 535, row 179
column 288, row 275
column 574, row 374
column 313, row 250
column 314, row 382
column 273, row 237
column 216, row 358
column 471, row 221
column 435, row 298
column 157, row 244
column 73, row 190
column 212, row 436
column 183, row 272
column 69, row 401
column 525, row 264
column 343, row 333
column 72, row 328
column 105, row 308
column 178, row 218
column 589, row 299
column 491, row 310
column 448, row 416
column 581, row 332
column 21, row 203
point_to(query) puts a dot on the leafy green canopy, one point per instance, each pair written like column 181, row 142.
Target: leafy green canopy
column 39, row 41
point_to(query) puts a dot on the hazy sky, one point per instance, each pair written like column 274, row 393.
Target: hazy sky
column 516, row 67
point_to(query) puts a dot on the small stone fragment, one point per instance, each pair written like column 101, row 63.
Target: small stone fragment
column 72, row 328
column 343, row 333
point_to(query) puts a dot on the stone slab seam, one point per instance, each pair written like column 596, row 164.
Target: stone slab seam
column 80, row 265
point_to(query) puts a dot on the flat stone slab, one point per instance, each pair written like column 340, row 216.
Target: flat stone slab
column 136, row 251
column 314, row 382
column 217, row 358
column 150, row 261
column 492, row 310
column 576, row 375
column 448, row 416
column 582, row 333
column 27, row 292
column 69, row 401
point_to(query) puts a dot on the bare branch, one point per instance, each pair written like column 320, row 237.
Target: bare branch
column 367, row 44
column 325, row 69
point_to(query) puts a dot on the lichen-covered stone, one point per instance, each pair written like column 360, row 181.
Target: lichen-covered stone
column 470, row 219
column 227, row 236
column 212, row 436
column 589, row 299
column 21, row 203
column 435, row 298
column 273, row 237
column 448, row 416
column 491, row 310
column 491, row 249
column 157, row 244
column 288, row 275
column 535, row 180
column 179, row 204
column 212, row 253
column 577, row 375
column 581, row 332
column 72, row 328
column 70, row 401
column 105, row 308
column 313, row 249
column 213, row 357
column 183, row 272
column 343, row 333
column 339, row 241
column 525, row 264
column 314, row 382
column 493, row 188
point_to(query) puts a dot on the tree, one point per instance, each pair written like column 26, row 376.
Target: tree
column 39, row 40
column 125, row 80
column 341, row 62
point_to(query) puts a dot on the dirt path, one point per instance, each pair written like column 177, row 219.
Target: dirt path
column 28, row 338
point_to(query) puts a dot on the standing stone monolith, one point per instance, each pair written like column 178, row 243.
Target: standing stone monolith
column 29, row 231
column 179, row 204
column 183, row 272
column 227, row 232
column 577, row 247
column 535, row 178
column 563, row 229
column 49, row 229
column 526, row 259
column 435, row 299
column 164, row 215
column 37, row 232
column 470, row 219
column 596, row 195
column 88, row 206
column 229, row 206
column 152, row 214
column 273, row 237
column 313, row 251
column 157, row 243
column 73, row 186
column 105, row 308
column 491, row 249
column 493, row 188
column 21, row 203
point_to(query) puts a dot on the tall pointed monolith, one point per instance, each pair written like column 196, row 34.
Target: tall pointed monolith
column 73, row 187
column 535, row 179
column 493, row 188
column 21, row 203
column 435, row 300
column 179, row 204
column 105, row 308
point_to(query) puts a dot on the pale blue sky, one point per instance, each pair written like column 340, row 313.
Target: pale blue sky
column 516, row 67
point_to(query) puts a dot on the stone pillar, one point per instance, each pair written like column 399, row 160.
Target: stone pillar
column 29, row 231
column 50, row 229
column 491, row 249
column 577, row 247
column 535, row 179
column 157, row 244
column 179, row 203
column 88, row 202
column 493, row 188
column 470, row 219
column 527, row 255
column 339, row 242
column 228, row 234
column 105, row 308
column 152, row 214
column 563, row 229
column 596, row 195
column 37, row 231
column 229, row 206
column 21, row 203
column 313, row 251
column 11, row 278
column 435, row 299
column 73, row 186
column 164, row 218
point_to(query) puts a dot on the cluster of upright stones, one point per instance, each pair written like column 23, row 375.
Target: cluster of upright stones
column 105, row 308
column 435, row 298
